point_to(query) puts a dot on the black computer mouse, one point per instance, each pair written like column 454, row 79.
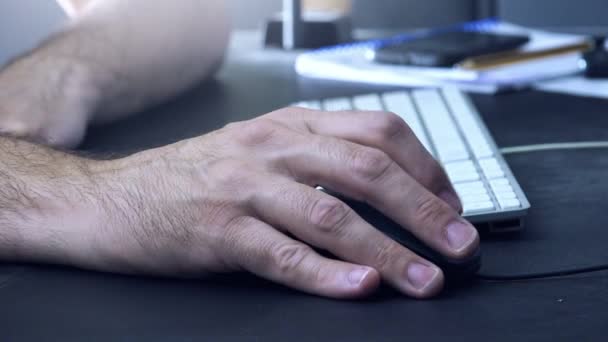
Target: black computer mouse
column 454, row 270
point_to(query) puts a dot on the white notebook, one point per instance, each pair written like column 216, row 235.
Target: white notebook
column 352, row 63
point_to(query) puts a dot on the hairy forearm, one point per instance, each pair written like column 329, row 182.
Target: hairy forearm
column 114, row 58
column 44, row 202
column 108, row 215
column 60, row 208
column 145, row 51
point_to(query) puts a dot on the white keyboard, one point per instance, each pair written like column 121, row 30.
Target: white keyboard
column 448, row 125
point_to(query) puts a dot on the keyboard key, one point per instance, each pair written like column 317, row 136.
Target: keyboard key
column 465, row 166
column 471, row 198
column 494, row 174
column 442, row 129
column 470, row 186
column 482, row 150
column 472, row 192
column 505, row 195
column 401, row 104
column 316, row 105
column 462, row 171
column 464, row 116
column 491, row 168
column 499, row 182
column 491, row 163
column 476, row 207
column 368, row 102
column 452, row 153
column 501, row 188
column 509, row 203
column 337, row 104
column 463, row 176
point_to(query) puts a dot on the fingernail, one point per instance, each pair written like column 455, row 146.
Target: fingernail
column 356, row 277
column 460, row 235
column 452, row 199
column 420, row 275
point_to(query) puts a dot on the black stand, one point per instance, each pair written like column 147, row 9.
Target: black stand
column 597, row 60
column 292, row 30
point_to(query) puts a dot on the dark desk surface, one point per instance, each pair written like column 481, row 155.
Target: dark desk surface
column 567, row 227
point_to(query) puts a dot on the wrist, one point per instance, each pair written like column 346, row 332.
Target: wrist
column 118, row 213
column 144, row 206
column 51, row 211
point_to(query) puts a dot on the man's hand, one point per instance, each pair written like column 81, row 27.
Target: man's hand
column 243, row 198
column 114, row 58
column 47, row 98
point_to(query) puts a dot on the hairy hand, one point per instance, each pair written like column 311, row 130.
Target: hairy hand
column 46, row 99
column 243, row 199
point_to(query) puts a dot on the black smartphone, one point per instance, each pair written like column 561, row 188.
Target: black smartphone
column 446, row 49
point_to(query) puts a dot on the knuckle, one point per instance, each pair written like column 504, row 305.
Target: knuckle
column 235, row 224
column 390, row 126
column 433, row 177
column 230, row 171
column 437, row 173
column 331, row 216
column 428, row 209
column 231, row 234
column 231, row 179
column 287, row 112
column 289, row 257
column 257, row 132
column 321, row 275
column 386, row 254
column 370, row 165
column 235, row 244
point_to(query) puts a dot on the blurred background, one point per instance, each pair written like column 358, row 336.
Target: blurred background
column 586, row 16
column 392, row 14
column 397, row 14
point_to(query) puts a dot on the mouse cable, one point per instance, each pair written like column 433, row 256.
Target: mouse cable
column 585, row 145
column 542, row 275
column 559, row 273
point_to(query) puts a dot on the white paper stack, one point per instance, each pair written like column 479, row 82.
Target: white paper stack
column 353, row 63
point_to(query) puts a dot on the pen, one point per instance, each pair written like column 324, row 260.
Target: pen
column 512, row 57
